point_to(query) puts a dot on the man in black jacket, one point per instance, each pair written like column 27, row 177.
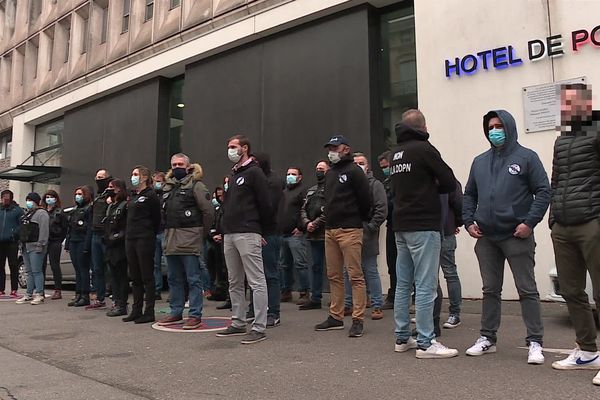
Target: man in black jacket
column 347, row 206
column 247, row 212
column 418, row 176
column 574, row 214
column 294, row 248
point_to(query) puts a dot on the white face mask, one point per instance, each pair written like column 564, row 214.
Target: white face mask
column 233, row 155
column 363, row 167
column 333, row 157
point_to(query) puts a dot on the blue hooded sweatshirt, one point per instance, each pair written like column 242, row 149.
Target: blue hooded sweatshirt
column 507, row 186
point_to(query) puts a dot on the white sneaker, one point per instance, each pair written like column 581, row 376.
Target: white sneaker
column 482, row 346
column 37, row 299
column 596, row 380
column 579, row 359
column 437, row 350
column 402, row 347
column 536, row 356
column 23, row 300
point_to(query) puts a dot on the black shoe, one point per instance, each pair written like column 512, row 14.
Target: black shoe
column 273, row 321
column 116, row 312
column 84, row 300
column 311, row 305
column 225, row 306
column 232, row 331
column 144, row 319
column 388, row 304
column 74, row 301
column 254, row 337
column 330, row 324
column 356, row 330
column 131, row 317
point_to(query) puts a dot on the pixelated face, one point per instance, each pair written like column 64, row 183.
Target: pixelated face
column 322, row 166
column 575, row 104
column 384, row 163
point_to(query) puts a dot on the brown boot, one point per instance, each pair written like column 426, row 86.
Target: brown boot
column 57, row 295
column 304, row 298
column 376, row 314
column 286, row 296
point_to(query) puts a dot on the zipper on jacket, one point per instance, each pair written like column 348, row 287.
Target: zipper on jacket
column 564, row 194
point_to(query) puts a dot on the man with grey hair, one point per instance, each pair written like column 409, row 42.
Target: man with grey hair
column 188, row 216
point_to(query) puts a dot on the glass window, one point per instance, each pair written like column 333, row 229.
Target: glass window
column 84, row 34
column 176, row 109
column 104, row 32
column 149, row 10
column 5, row 146
column 175, row 4
column 398, row 68
column 47, row 144
column 125, row 21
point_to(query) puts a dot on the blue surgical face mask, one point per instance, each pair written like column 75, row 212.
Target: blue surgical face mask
column 226, row 186
column 386, row 171
column 291, row 179
column 135, row 180
column 497, row 136
column 78, row 198
column 215, row 202
column 158, row 185
column 50, row 201
column 29, row 204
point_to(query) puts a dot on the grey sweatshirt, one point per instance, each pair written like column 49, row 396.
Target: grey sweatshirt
column 41, row 218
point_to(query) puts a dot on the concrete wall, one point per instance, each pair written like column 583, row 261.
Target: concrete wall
column 454, row 107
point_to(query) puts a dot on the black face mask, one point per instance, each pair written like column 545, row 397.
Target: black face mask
column 110, row 192
column 320, row 175
column 102, row 184
column 179, row 173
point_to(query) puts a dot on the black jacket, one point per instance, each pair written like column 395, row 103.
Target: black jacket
column 80, row 226
column 418, row 176
column 99, row 213
column 288, row 216
column 276, row 187
column 347, row 195
column 58, row 225
column 452, row 210
column 143, row 215
column 247, row 206
column 576, row 174
column 115, row 227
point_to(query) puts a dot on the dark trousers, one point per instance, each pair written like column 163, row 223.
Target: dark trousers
column 270, row 254
column 391, row 253
column 140, row 257
column 577, row 252
column 215, row 262
column 81, row 263
column 119, row 283
column 53, row 255
column 9, row 250
column 437, row 311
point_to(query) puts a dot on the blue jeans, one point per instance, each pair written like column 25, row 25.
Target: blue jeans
column 98, row 267
column 317, row 249
column 371, row 273
column 294, row 254
column 81, row 264
column 270, row 253
column 180, row 267
column 418, row 263
column 158, row 258
column 448, row 264
column 204, row 275
column 33, row 268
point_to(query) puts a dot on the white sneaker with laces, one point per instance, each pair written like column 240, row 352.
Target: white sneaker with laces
column 579, row 359
column 453, row 322
column 37, row 299
column 24, row 300
column 536, row 356
column 482, row 346
column 596, row 380
column 402, row 347
column 436, row 350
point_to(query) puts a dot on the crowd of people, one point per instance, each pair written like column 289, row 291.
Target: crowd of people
column 260, row 231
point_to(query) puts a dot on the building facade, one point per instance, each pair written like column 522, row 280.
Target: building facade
column 116, row 83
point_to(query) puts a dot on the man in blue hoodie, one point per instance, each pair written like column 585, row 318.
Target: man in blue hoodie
column 10, row 215
column 506, row 196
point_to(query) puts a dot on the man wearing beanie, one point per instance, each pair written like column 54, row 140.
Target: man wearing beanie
column 34, row 232
column 11, row 214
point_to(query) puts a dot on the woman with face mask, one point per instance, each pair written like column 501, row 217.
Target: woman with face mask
column 58, row 232
column 33, row 234
column 114, row 238
column 78, row 244
column 143, row 223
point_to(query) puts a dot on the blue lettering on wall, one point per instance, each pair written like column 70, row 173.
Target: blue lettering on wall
column 498, row 58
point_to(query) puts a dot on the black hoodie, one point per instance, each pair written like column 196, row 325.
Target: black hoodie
column 418, row 176
column 347, row 195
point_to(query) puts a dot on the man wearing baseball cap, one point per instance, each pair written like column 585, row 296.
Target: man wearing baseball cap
column 347, row 205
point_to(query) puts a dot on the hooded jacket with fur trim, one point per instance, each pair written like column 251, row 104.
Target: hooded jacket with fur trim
column 188, row 213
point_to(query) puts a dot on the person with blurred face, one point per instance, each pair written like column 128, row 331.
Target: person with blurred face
column 78, row 243
column 313, row 220
column 58, row 231
column 390, row 242
column 158, row 181
column 143, row 223
column 574, row 214
column 11, row 214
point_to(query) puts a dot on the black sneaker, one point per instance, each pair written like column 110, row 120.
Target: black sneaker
column 388, row 304
column 273, row 321
column 330, row 324
column 311, row 305
column 356, row 330
column 232, row 331
column 254, row 337
column 224, row 306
